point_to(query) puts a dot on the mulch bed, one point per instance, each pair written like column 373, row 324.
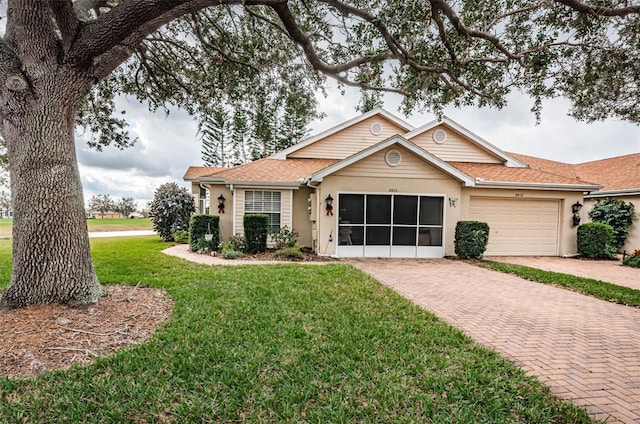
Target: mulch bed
column 44, row 337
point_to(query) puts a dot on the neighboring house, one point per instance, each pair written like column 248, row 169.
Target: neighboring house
column 619, row 176
column 375, row 186
column 6, row 213
column 100, row 215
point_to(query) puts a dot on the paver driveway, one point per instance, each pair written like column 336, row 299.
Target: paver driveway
column 583, row 348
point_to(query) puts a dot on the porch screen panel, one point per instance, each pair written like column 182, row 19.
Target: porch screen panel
column 351, row 220
column 430, row 221
column 404, row 210
column 378, row 209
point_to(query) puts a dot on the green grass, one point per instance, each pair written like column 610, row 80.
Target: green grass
column 119, row 224
column 280, row 343
column 596, row 288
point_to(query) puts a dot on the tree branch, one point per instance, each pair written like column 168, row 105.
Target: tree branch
column 65, row 16
column 296, row 34
column 580, row 6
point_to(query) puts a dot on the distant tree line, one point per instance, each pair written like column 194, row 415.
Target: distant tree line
column 103, row 203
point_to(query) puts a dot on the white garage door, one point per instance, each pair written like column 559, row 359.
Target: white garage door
column 518, row 227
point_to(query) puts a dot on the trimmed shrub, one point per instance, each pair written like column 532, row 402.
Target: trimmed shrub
column 633, row 259
column 199, row 226
column 284, row 237
column 256, row 228
column 170, row 210
column 471, row 239
column 595, row 241
column 292, row 252
column 616, row 213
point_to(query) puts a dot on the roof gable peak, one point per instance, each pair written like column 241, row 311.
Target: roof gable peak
column 346, row 124
column 508, row 160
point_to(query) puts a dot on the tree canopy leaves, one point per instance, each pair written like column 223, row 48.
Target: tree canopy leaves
column 434, row 52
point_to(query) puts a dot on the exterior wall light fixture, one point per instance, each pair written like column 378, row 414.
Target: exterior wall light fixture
column 221, row 200
column 329, row 208
column 575, row 208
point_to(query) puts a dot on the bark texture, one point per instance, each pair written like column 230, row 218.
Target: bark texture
column 51, row 255
column 52, row 261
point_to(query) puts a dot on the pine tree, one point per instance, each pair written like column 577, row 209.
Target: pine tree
column 294, row 123
column 216, row 132
column 240, row 137
column 263, row 137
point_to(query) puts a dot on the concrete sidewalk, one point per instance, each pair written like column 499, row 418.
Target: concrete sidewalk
column 586, row 350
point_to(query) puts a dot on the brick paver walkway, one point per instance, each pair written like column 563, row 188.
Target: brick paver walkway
column 584, row 349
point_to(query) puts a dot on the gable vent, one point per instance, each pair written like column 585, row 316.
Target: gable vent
column 393, row 158
column 376, row 128
column 439, row 136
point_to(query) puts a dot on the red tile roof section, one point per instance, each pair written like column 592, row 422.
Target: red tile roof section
column 619, row 173
column 501, row 173
column 275, row 170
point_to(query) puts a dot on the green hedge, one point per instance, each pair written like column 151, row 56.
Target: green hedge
column 199, row 225
column 595, row 241
column 471, row 239
column 256, row 228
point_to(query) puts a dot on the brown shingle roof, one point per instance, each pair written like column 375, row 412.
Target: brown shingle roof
column 501, row 173
column 275, row 170
column 195, row 172
column 559, row 168
column 619, row 173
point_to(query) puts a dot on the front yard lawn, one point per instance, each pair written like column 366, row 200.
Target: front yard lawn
column 280, row 343
column 116, row 224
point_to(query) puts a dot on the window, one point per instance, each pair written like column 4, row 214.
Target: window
column 266, row 202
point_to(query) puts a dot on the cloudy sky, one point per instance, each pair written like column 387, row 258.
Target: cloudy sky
column 168, row 145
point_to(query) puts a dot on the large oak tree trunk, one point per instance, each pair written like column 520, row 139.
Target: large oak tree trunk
column 51, row 255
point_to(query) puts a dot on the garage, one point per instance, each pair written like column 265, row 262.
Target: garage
column 518, row 227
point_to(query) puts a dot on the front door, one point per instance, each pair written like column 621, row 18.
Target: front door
column 390, row 225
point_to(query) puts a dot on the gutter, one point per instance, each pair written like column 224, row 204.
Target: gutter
column 480, row 183
column 609, row 193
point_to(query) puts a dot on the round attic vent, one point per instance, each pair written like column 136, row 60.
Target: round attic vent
column 393, row 158
column 439, row 136
column 376, row 128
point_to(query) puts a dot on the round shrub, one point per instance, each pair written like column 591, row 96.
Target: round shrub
column 595, row 241
column 170, row 210
column 471, row 239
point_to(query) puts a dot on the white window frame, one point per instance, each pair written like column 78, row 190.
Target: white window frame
column 265, row 202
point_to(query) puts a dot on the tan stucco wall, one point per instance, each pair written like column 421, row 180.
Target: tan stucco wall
column 226, row 218
column 335, row 185
column 301, row 219
column 567, row 242
column 633, row 239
